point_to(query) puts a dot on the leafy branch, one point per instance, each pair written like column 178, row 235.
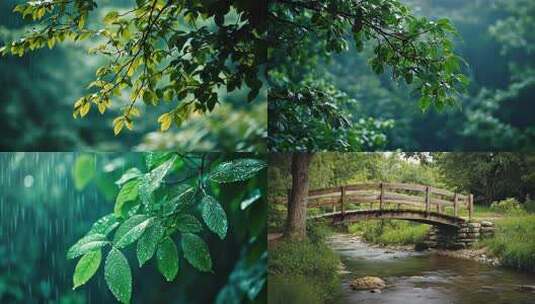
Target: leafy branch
column 152, row 209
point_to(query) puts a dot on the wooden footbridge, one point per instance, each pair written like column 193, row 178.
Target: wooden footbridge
column 411, row 202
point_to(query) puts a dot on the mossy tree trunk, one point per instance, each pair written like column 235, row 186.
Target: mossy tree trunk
column 296, row 218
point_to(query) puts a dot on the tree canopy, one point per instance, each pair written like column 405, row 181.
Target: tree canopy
column 414, row 49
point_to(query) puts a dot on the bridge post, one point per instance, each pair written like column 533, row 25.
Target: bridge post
column 470, row 206
column 381, row 196
column 455, row 199
column 427, row 201
column 342, row 199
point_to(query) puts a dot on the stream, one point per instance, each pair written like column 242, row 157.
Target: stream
column 424, row 277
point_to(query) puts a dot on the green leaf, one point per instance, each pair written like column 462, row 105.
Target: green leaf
column 181, row 197
column 214, row 216
column 236, row 170
column 86, row 244
column 118, row 276
column 156, row 176
column 154, row 159
column 131, row 230
column 196, row 252
column 188, row 223
column 167, row 257
column 83, row 171
column 128, row 175
column 146, row 246
column 111, row 17
column 85, row 269
column 129, row 192
column 151, row 181
column 251, row 199
column 104, row 225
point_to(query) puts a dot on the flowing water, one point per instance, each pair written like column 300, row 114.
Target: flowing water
column 414, row 277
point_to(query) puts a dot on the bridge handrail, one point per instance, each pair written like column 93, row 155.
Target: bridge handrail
column 383, row 193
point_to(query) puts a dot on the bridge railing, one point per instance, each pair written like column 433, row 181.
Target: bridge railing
column 383, row 196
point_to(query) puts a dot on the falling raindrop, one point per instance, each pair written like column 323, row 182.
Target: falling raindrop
column 28, row 181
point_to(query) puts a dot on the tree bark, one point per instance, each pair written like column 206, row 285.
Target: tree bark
column 296, row 218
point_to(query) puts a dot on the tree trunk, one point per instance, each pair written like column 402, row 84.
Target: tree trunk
column 296, row 219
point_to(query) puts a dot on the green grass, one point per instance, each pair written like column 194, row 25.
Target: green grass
column 390, row 232
column 514, row 242
column 303, row 272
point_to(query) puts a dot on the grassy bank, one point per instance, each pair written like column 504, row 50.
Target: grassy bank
column 389, row 232
column 514, row 242
column 303, row 272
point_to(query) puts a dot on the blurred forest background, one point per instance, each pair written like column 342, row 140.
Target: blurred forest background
column 39, row 91
column 497, row 41
column 44, row 210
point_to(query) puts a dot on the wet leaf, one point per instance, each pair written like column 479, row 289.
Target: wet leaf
column 128, row 175
column 85, row 269
column 214, row 216
column 236, row 170
column 86, row 244
column 83, row 171
column 154, row 159
column 146, row 246
column 118, row 276
column 196, row 252
column 129, row 192
column 131, row 230
column 167, row 259
column 181, row 197
column 104, row 225
column 188, row 223
column 155, row 177
column 255, row 195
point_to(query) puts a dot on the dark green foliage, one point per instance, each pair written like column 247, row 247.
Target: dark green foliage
column 490, row 176
column 413, row 49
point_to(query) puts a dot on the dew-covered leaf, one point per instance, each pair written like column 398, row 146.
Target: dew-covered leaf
column 83, row 170
column 167, row 258
column 214, row 216
column 118, row 276
column 154, row 159
column 188, row 223
column 255, row 195
column 196, row 252
column 146, row 246
column 151, row 181
column 180, row 197
column 86, row 244
column 155, row 176
column 236, row 170
column 131, row 230
column 104, row 225
column 128, row 175
column 86, row 267
column 129, row 192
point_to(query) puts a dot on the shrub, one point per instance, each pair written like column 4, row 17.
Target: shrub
column 514, row 242
column 390, row 232
column 529, row 206
column 291, row 289
column 507, row 206
column 307, row 263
